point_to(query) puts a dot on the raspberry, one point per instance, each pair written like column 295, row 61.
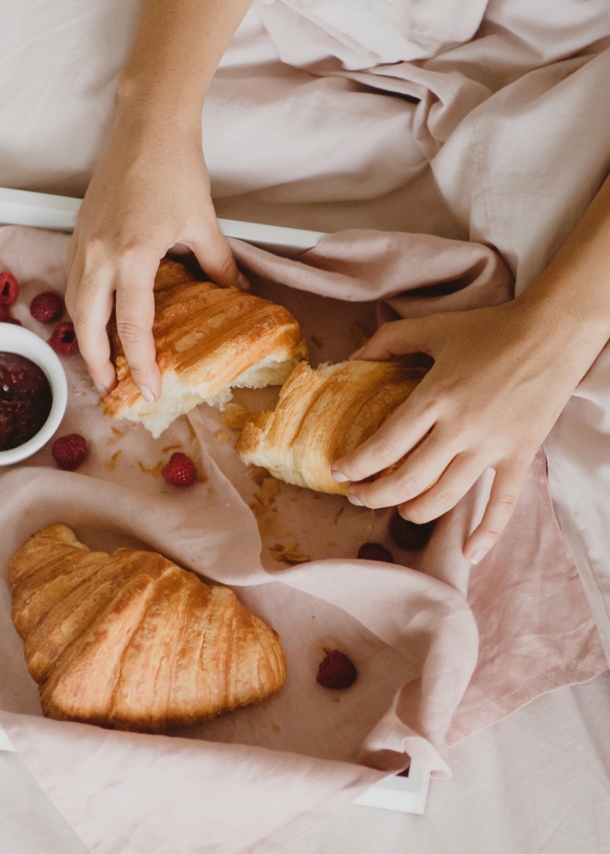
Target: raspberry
column 9, row 289
column 374, row 551
column 180, row 470
column 408, row 535
column 63, row 340
column 69, row 451
column 47, row 307
column 336, row 671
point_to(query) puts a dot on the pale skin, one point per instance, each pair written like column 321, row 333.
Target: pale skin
column 501, row 378
column 150, row 190
column 501, row 375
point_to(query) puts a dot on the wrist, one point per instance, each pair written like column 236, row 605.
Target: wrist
column 148, row 106
column 567, row 307
column 146, row 115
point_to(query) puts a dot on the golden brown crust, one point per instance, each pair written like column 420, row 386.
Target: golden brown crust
column 322, row 415
column 206, row 336
column 132, row 641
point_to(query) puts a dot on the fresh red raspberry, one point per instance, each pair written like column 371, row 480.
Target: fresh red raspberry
column 9, row 289
column 47, row 307
column 69, row 451
column 374, row 551
column 63, row 340
column 180, row 470
column 408, row 535
column 336, row 671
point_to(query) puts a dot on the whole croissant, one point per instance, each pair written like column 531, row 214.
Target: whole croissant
column 322, row 415
column 132, row 641
column 208, row 341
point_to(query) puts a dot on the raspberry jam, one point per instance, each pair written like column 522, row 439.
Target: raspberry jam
column 25, row 400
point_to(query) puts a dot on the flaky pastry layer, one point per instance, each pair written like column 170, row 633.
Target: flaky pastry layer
column 133, row 642
column 208, row 340
column 322, row 415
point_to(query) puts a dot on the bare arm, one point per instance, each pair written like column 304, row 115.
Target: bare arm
column 500, row 379
column 150, row 189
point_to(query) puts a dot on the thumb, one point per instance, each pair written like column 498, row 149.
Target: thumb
column 215, row 257
column 397, row 338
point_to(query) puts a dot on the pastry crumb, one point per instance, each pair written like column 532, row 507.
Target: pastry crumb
column 111, row 463
column 222, row 436
column 235, row 416
column 288, row 554
column 269, row 488
column 257, row 508
column 171, row 448
column 336, row 699
column 154, row 470
column 338, row 513
column 117, row 432
column 193, row 435
column 257, row 474
column 276, row 728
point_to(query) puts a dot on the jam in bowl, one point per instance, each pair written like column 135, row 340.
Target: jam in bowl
column 25, row 400
column 33, row 393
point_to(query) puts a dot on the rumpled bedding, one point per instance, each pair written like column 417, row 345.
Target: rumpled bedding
column 320, row 118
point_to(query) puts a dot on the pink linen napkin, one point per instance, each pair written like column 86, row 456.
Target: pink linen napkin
column 253, row 780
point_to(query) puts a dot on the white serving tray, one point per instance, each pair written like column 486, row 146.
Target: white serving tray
column 22, row 207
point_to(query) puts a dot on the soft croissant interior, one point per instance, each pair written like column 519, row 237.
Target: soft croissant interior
column 132, row 641
column 208, row 340
column 323, row 414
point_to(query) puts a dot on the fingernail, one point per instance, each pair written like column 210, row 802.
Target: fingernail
column 477, row 556
column 146, row 394
column 101, row 389
column 338, row 476
column 353, row 499
column 357, row 353
column 244, row 284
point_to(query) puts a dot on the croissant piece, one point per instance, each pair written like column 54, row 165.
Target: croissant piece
column 208, row 340
column 131, row 641
column 321, row 415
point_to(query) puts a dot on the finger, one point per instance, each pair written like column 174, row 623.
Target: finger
column 395, row 438
column 422, row 468
column 214, row 255
column 507, row 486
column 453, row 484
column 396, row 338
column 135, row 313
column 89, row 303
column 72, row 250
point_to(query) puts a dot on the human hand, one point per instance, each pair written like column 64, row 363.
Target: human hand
column 500, row 379
column 149, row 192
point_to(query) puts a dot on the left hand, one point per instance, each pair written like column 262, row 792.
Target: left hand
column 500, row 379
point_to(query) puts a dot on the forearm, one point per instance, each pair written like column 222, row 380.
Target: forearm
column 176, row 51
column 572, row 296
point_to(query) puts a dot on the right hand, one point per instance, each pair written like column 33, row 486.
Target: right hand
column 150, row 191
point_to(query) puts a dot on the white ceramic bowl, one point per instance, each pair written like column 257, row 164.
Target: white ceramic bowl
column 16, row 339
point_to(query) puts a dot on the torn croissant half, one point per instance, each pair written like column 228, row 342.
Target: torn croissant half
column 208, row 341
column 322, row 415
column 133, row 642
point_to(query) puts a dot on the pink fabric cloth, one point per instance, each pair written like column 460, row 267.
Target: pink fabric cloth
column 412, row 629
